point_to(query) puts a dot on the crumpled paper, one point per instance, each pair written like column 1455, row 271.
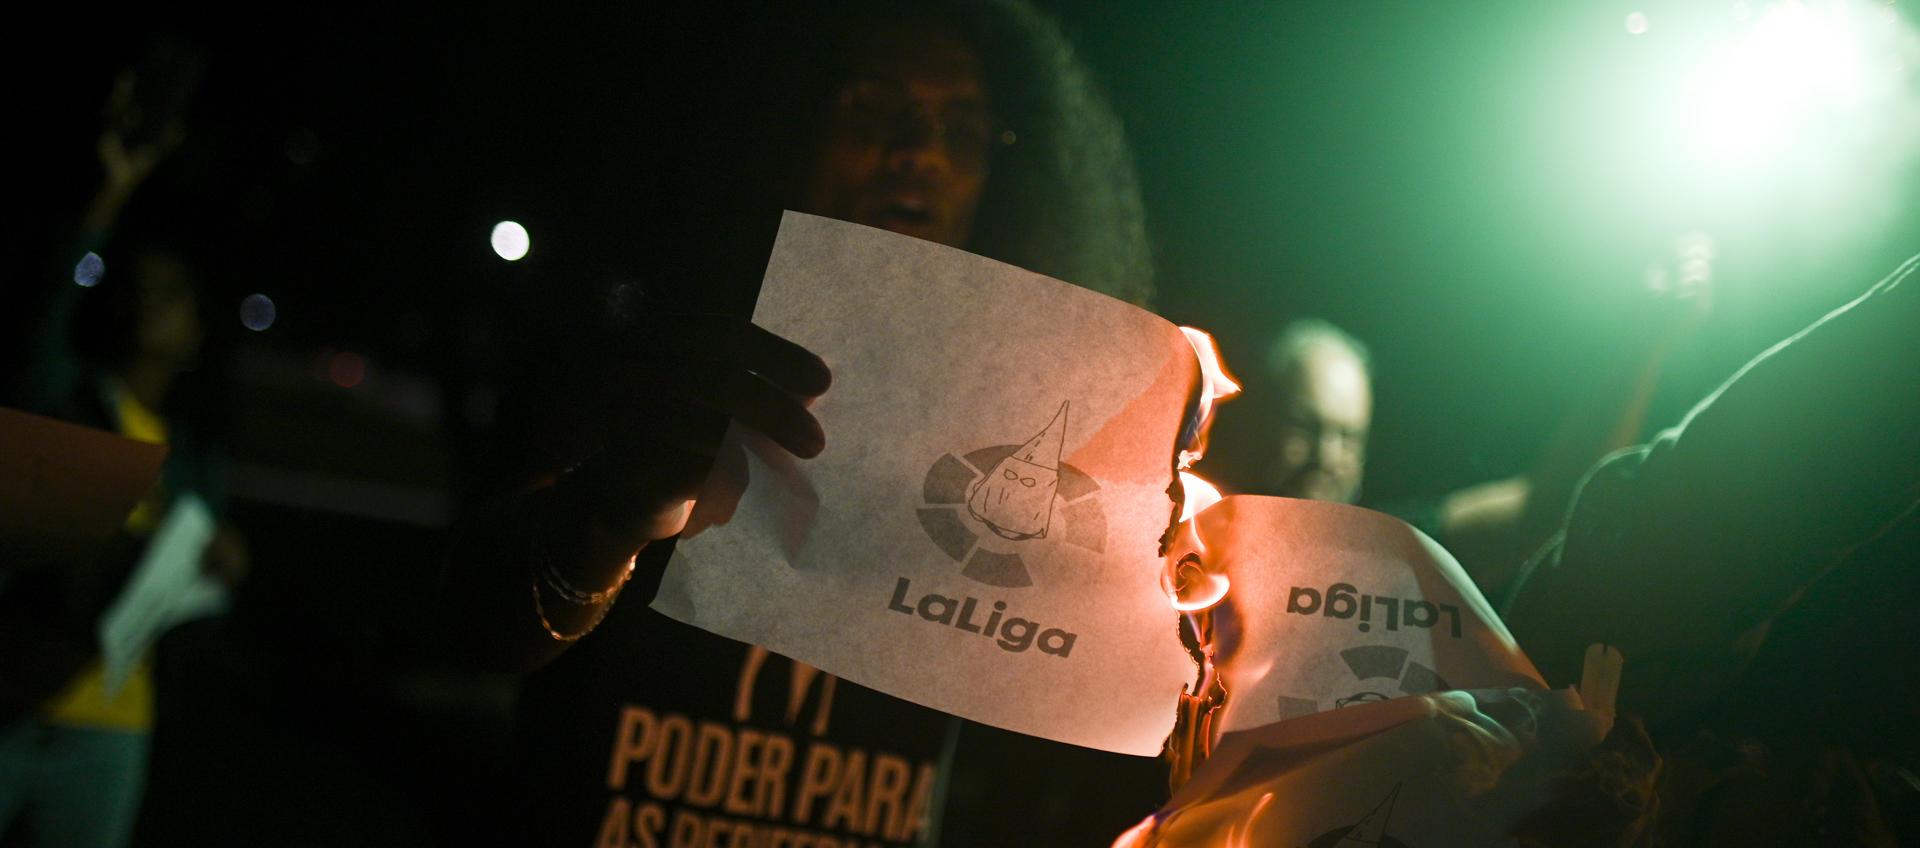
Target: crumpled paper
column 1460, row 768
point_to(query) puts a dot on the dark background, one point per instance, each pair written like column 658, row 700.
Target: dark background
column 1441, row 179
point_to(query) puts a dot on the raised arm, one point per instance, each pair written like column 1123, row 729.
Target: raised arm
column 1493, row 527
column 48, row 368
column 1677, row 551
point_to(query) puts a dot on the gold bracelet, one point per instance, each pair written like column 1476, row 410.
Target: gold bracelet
column 559, row 584
column 540, row 608
column 542, row 571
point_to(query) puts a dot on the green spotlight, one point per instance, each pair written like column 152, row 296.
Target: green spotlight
column 1781, row 83
column 1788, row 129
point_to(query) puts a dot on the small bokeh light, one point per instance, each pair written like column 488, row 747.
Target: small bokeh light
column 87, row 272
column 510, row 240
column 1636, row 23
column 257, row 312
column 346, row 369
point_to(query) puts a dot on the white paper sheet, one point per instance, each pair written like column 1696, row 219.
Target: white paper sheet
column 998, row 452
column 167, row 588
column 1333, row 605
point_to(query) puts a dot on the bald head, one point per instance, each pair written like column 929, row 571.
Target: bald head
column 1326, row 407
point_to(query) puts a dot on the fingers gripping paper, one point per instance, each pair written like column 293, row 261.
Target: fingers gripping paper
column 980, row 535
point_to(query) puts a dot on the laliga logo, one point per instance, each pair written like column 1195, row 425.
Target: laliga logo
column 978, row 503
column 1377, row 671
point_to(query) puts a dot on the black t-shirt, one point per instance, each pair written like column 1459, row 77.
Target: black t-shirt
column 652, row 733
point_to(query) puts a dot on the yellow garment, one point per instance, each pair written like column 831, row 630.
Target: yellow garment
column 84, row 703
column 141, row 424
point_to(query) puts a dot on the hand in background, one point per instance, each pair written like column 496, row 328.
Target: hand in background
column 125, row 163
column 1681, row 285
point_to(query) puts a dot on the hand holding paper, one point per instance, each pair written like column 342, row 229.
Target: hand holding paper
column 982, row 534
column 644, row 438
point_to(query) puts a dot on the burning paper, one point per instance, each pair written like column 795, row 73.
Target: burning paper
column 981, row 535
column 984, row 532
column 1452, row 768
column 1332, row 606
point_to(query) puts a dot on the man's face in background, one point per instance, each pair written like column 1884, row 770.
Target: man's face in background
column 1322, row 438
column 906, row 138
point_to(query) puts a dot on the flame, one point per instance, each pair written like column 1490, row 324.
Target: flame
column 1188, row 583
column 1215, row 384
column 1200, row 495
column 1177, row 829
column 1192, row 586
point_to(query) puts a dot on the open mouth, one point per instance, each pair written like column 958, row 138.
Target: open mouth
column 908, row 211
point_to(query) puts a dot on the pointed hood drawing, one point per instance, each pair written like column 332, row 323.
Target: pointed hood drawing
column 1015, row 497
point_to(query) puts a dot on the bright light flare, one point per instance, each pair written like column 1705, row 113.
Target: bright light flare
column 1795, row 69
column 1790, row 129
column 510, row 241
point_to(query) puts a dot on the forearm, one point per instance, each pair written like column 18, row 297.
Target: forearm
column 1493, row 527
column 1601, row 422
column 1679, row 550
column 1810, row 448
